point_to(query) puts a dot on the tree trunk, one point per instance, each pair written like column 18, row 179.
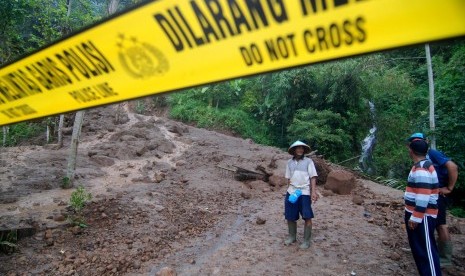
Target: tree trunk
column 432, row 124
column 112, row 6
column 60, row 130
column 5, row 134
column 68, row 4
column 47, row 134
column 71, row 169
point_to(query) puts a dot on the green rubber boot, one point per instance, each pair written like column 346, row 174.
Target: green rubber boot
column 292, row 238
column 445, row 253
column 307, row 237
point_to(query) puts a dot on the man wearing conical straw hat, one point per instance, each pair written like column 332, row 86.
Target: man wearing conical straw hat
column 301, row 175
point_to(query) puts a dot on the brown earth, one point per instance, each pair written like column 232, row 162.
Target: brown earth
column 165, row 195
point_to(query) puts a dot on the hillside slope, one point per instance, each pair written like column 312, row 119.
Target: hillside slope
column 163, row 196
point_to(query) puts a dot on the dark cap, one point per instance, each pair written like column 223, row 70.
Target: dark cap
column 419, row 146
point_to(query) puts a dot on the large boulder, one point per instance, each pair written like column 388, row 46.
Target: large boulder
column 340, row 182
column 322, row 168
column 277, row 181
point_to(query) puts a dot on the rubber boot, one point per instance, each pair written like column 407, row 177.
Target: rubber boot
column 307, row 237
column 445, row 253
column 292, row 226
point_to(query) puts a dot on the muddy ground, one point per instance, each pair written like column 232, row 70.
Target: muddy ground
column 165, row 195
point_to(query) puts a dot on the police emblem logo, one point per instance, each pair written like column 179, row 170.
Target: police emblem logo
column 141, row 60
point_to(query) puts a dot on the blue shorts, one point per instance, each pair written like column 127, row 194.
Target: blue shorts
column 302, row 207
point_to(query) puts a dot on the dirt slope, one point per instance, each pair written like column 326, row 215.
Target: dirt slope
column 161, row 197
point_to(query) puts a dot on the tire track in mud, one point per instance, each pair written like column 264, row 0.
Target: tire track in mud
column 191, row 260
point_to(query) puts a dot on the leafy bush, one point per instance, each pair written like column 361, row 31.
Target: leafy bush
column 78, row 200
column 8, row 241
column 458, row 212
column 20, row 132
column 231, row 119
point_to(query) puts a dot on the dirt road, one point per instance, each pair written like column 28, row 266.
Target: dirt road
column 162, row 198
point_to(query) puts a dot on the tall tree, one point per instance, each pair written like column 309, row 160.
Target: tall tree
column 79, row 118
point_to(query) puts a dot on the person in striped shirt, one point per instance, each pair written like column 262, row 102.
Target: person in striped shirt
column 421, row 196
column 447, row 172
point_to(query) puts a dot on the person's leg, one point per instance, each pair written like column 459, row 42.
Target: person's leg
column 431, row 247
column 444, row 239
column 307, row 234
column 292, row 229
column 423, row 246
column 291, row 214
column 307, row 215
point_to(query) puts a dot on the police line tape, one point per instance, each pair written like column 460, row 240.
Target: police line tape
column 165, row 46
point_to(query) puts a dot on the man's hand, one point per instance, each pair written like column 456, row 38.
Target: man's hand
column 412, row 225
column 314, row 196
column 444, row 191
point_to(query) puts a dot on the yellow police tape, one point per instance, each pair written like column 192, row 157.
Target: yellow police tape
column 167, row 45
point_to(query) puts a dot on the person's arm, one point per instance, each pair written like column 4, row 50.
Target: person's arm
column 314, row 192
column 453, row 174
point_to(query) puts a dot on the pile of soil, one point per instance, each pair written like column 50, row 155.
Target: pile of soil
column 166, row 194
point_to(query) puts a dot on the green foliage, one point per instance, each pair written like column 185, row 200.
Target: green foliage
column 8, row 241
column 78, row 200
column 324, row 130
column 21, row 132
column 458, row 212
column 65, row 183
column 140, row 107
column 228, row 119
column 396, row 108
column 450, row 98
column 29, row 24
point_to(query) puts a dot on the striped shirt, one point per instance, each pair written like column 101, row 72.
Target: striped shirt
column 300, row 172
column 421, row 194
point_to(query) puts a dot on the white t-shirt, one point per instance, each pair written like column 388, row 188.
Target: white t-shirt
column 300, row 172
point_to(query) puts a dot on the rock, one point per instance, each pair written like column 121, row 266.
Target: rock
column 327, row 193
column 103, row 161
column 136, row 264
column 76, row 230
column 177, row 129
column 245, row 195
column 49, row 242
column 166, row 271
column 260, row 221
column 159, row 177
column 259, row 185
column 358, row 200
column 180, row 163
column 340, row 182
column 8, row 199
column 277, row 181
column 395, row 256
column 48, row 234
column 322, row 169
column 59, row 217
